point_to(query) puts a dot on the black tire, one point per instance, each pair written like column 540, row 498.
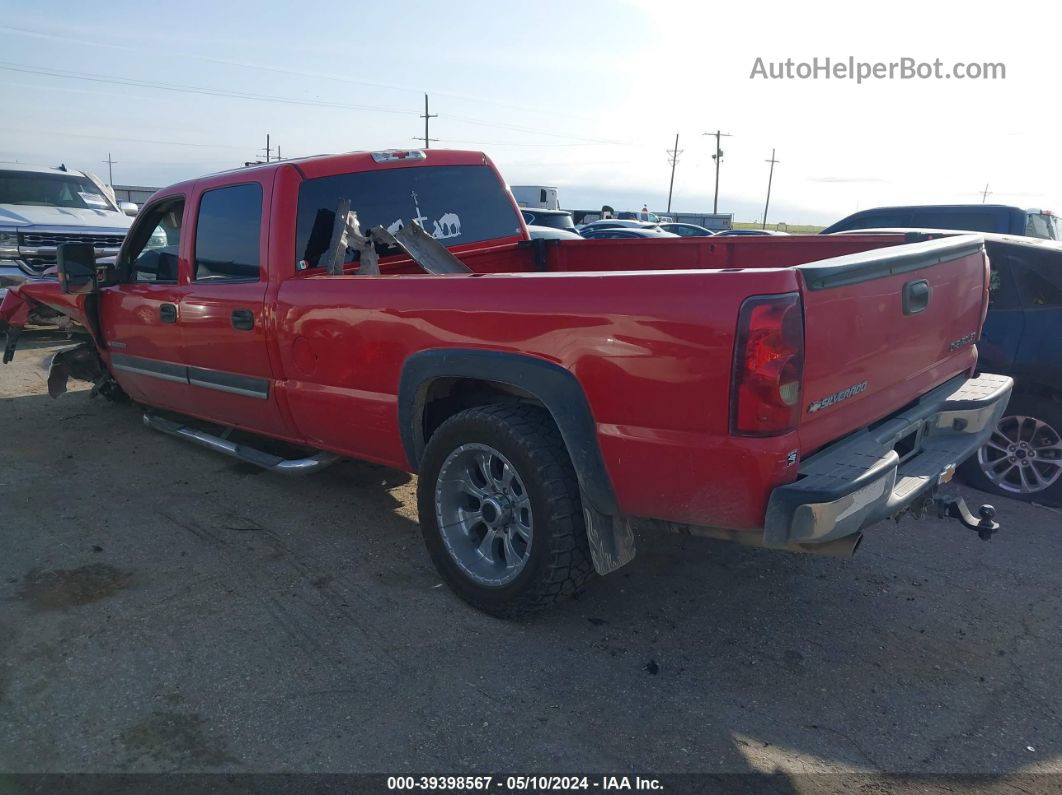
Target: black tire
column 558, row 560
column 1042, row 409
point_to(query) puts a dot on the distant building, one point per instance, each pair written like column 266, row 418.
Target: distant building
column 138, row 194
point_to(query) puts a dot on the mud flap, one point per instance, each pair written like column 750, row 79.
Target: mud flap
column 11, row 342
column 611, row 540
column 14, row 311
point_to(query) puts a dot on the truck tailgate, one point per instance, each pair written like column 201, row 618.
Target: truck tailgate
column 884, row 327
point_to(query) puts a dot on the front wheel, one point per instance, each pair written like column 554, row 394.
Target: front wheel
column 1023, row 456
column 500, row 511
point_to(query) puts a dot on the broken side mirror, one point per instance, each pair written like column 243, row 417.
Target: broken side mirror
column 77, row 268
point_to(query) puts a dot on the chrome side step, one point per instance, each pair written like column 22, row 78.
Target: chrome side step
column 286, row 466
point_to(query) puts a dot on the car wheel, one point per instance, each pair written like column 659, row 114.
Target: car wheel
column 1023, row 457
column 500, row 511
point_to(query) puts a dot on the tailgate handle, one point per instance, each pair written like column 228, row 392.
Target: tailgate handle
column 915, row 297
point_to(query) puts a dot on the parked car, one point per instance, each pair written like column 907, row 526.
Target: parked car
column 997, row 218
column 551, row 233
column 620, row 233
column 1022, row 338
column 644, row 215
column 687, row 230
column 558, row 219
column 749, row 232
column 617, row 223
column 41, row 207
column 548, row 414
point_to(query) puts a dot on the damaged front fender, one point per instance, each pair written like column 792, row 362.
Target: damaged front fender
column 14, row 312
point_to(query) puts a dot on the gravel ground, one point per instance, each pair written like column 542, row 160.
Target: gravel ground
column 167, row 609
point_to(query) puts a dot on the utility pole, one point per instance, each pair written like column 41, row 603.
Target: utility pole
column 110, row 173
column 673, row 156
column 984, row 196
column 717, row 157
column 268, row 149
column 278, row 153
column 426, row 117
column 770, row 179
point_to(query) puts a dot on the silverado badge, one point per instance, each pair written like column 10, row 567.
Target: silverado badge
column 837, row 397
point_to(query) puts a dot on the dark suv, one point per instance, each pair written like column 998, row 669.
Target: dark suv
column 1022, row 338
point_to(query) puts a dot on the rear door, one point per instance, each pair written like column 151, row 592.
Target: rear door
column 223, row 319
column 883, row 327
column 139, row 315
column 1038, row 275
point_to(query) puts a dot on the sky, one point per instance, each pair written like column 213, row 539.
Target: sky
column 587, row 96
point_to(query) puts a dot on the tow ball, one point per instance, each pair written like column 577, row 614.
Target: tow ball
column 956, row 508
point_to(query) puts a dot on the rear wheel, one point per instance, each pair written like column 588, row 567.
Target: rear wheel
column 1023, row 457
column 500, row 511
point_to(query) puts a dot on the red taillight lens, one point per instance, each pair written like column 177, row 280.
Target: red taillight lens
column 768, row 365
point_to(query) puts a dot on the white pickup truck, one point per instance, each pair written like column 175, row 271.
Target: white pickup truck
column 41, row 207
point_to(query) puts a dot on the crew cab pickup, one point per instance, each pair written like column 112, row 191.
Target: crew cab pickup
column 552, row 395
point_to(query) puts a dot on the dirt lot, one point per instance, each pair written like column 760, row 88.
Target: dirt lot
column 164, row 608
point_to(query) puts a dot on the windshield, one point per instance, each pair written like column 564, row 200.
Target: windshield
column 1043, row 225
column 51, row 190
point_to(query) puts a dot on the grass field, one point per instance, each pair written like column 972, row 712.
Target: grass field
column 793, row 229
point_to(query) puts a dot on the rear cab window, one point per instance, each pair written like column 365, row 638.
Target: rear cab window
column 455, row 205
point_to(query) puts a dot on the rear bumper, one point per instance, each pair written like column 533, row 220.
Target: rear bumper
column 879, row 472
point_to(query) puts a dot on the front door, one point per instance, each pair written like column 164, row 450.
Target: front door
column 139, row 315
column 222, row 311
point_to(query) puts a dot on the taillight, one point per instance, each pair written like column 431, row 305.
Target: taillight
column 768, row 365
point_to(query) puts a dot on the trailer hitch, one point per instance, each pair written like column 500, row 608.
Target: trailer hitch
column 956, row 508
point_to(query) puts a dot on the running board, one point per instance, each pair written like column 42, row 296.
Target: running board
column 285, row 466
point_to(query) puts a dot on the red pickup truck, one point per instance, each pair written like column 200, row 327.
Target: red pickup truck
column 552, row 395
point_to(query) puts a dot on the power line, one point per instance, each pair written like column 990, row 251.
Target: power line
column 427, row 116
column 770, row 178
column 717, row 157
column 673, row 156
column 118, row 138
column 215, row 92
column 281, row 70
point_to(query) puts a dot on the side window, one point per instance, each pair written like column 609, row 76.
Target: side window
column 968, row 221
column 1039, row 280
column 227, row 234
column 152, row 252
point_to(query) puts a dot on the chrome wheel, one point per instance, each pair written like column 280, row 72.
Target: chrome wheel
column 1023, row 455
column 484, row 514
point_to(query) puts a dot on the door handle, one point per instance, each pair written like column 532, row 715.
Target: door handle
column 915, row 297
column 242, row 319
column 168, row 313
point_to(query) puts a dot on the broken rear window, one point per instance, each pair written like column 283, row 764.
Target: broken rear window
column 454, row 204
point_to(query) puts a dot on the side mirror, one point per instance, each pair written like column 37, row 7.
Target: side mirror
column 129, row 208
column 77, row 268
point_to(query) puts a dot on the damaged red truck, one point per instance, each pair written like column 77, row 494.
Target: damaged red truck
column 552, row 395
